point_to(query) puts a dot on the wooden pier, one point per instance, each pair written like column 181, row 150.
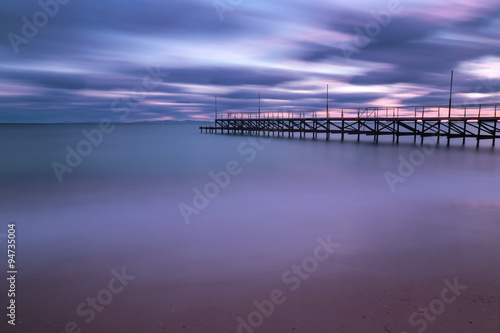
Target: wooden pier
column 479, row 122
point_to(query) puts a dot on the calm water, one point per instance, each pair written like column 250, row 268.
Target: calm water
column 120, row 208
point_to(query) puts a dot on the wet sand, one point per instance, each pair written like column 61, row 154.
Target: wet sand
column 201, row 279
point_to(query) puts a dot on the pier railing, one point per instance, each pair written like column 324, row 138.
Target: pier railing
column 439, row 111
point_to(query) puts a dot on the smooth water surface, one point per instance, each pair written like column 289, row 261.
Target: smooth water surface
column 121, row 208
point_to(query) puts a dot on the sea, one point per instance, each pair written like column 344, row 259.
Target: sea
column 157, row 227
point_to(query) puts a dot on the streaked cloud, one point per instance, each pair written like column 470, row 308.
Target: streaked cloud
column 91, row 53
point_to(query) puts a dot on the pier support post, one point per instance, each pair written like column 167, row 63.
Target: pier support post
column 398, row 134
column 449, row 132
column 439, row 125
column 415, row 128
column 422, row 134
column 393, row 129
column 327, row 129
column 479, row 123
column 359, row 125
column 494, row 130
column 465, row 125
column 343, row 130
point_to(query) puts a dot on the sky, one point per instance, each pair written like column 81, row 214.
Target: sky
column 155, row 60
